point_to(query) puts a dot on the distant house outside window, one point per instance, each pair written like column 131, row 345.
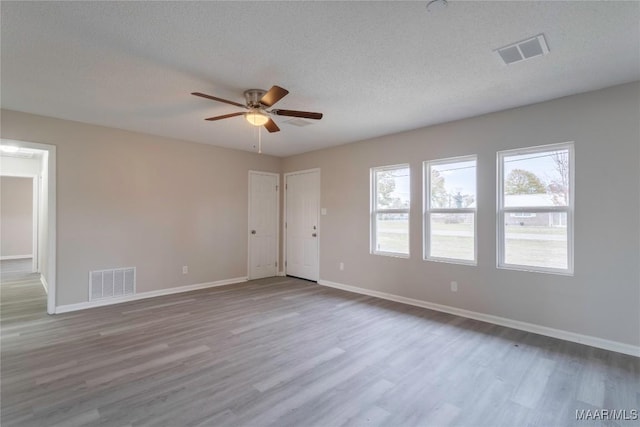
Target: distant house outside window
column 535, row 208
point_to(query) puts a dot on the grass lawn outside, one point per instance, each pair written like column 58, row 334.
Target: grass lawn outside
column 536, row 246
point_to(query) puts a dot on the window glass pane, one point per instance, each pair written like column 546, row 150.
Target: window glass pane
column 453, row 185
column 452, row 236
column 392, row 233
column 392, row 186
column 537, row 239
column 536, row 179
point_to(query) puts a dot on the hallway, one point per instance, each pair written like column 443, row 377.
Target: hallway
column 22, row 297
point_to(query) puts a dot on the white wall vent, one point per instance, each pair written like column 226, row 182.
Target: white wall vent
column 111, row 283
column 523, row 50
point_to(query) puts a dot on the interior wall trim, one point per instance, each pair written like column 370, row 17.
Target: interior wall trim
column 45, row 285
column 602, row 343
column 143, row 295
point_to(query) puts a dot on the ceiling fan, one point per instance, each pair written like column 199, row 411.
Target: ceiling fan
column 256, row 102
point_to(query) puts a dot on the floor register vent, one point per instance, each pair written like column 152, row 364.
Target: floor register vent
column 116, row 282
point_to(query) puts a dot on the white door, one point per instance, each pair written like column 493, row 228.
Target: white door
column 263, row 224
column 302, row 225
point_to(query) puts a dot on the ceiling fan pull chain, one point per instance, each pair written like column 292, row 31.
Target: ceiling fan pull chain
column 260, row 140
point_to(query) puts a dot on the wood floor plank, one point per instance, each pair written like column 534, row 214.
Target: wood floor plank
column 372, row 416
column 534, row 382
column 282, row 351
column 80, row 419
column 153, row 363
column 592, row 384
column 295, row 371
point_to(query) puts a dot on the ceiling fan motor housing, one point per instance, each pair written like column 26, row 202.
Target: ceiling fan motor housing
column 253, row 97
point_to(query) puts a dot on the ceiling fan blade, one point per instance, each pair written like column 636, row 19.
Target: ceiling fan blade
column 213, row 98
column 226, row 116
column 271, row 126
column 293, row 113
column 275, row 94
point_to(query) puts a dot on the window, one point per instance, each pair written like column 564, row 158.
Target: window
column 535, row 209
column 390, row 201
column 450, row 210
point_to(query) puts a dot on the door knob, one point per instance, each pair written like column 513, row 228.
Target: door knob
column 253, row 231
column 314, row 234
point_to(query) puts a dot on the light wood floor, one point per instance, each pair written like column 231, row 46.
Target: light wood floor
column 16, row 269
column 285, row 352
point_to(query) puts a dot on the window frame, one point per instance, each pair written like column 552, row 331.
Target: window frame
column 374, row 211
column 428, row 210
column 502, row 211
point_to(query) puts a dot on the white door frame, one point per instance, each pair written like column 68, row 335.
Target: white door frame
column 284, row 242
column 35, row 207
column 50, row 157
column 278, row 266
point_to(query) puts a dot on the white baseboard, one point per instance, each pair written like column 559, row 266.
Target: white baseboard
column 143, row 295
column 45, row 285
column 616, row 346
column 281, row 273
column 8, row 257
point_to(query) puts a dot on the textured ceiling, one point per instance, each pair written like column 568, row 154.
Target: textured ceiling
column 373, row 68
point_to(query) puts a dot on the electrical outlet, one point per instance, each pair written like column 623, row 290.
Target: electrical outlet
column 454, row 286
column 342, row 266
column 185, row 269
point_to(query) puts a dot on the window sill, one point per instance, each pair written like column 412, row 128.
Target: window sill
column 452, row 261
column 530, row 269
column 391, row 254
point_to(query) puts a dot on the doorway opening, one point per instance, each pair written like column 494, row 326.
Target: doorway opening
column 28, row 186
column 19, row 225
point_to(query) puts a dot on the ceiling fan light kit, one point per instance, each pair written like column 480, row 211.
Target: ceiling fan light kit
column 256, row 118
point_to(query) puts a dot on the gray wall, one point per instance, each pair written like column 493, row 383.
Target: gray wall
column 16, row 216
column 129, row 199
column 602, row 299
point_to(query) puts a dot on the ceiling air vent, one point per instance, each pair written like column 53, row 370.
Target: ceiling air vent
column 522, row 50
